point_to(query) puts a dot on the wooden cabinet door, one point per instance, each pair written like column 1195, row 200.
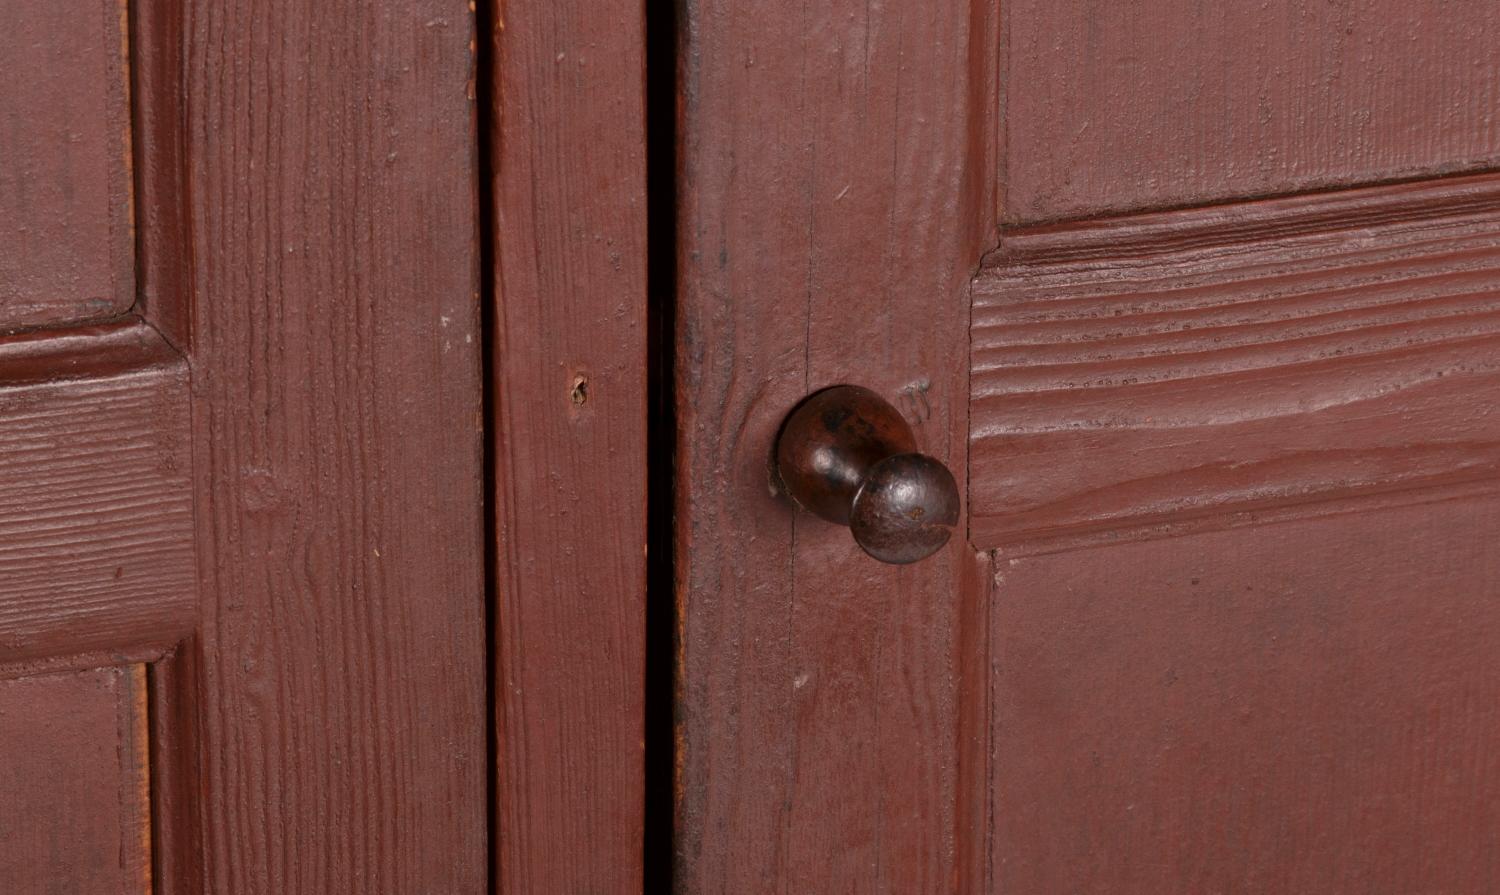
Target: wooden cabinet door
column 1200, row 304
column 242, row 593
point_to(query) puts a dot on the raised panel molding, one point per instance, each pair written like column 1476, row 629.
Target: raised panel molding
column 96, row 521
column 1158, row 368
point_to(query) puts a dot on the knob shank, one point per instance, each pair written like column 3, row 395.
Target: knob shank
column 846, row 455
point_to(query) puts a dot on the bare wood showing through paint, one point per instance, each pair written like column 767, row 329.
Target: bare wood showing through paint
column 835, row 196
column 1154, row 368
column 1118, row 105
column 568, row 152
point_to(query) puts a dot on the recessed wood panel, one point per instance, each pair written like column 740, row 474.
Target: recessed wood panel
column 65, row 218
column 1164, row 367
column 1310, row 706
column 74, row 797
column 96, row 525
column 1116, row 105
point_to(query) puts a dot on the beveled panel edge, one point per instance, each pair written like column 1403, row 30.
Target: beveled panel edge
column 1231, row 223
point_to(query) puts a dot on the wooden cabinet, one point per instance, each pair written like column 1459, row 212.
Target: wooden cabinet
column 241, row 450
column 389, row 400
column 1201, row 312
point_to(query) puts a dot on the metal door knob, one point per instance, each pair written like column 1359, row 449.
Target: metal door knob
column 846, row 455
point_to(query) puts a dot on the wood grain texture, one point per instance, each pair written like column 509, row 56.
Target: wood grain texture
column 1160, row 367
column 834, row 198
column 96, row 523
column 74, row 802
column 1116, row 105
column 1310, row 706
column 339, row 674
column 568, row 152
column 66, row 246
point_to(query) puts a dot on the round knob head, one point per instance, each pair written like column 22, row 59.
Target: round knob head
column 906, row 509
column 830, row 443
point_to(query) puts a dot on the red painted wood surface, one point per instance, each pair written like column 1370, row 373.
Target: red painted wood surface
column 568, row 154
column 96, row 523
column 74, row 806
column 337, row 682
column 1236, row 462
column 834, row 198
column 163, row 228
column 1172, row 415
column 65, row 221
column 1233, row 357
column 306, row 232
column 1116, row 105
column 1309, row 706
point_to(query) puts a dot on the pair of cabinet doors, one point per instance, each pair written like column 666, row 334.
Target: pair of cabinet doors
column 389, row 400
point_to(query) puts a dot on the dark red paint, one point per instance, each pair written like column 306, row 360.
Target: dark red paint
column 263, row 475
column 75, row 811
column 1112, row 106
column 1220, row 615
column 1161, row 368
column 1219, row 619
column 566, row 121
column 66, row 247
